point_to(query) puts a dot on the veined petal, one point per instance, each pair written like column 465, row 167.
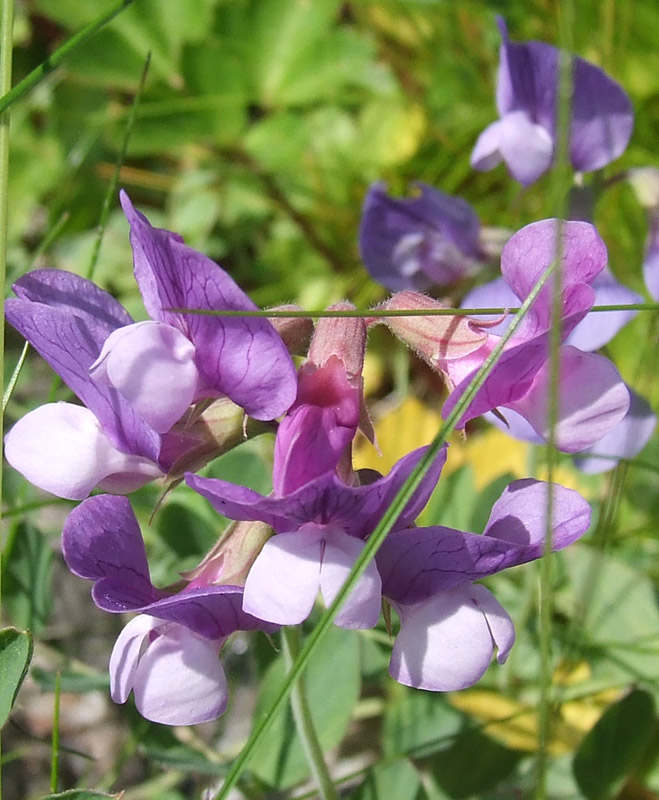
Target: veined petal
column 356, row 509
column 283, row 583
column 179, row 679
column 243, row 358
column 519, row 516
column 592, row 399
column 510, row 379
column 152, row 365
column 70, row 344
column 101, row 541
column 61, row 448
column 446, row 643
column 624, row 440
column 361, row 608
column 417, row 563
column 58, row 288
column 528, row 253
column 212, row 612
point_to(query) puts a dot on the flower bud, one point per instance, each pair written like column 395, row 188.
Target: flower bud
column 229, row 561
column 434, row 338
column 203, row 435
column 295, row 331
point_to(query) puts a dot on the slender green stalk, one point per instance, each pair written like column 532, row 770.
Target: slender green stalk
column 375, row 540
column 290, row 639
column 54, row 758
column 560, row 207
column 379, row 313
column 6, row 53
column 114, row 181
column 14, row 377
column 52, row 62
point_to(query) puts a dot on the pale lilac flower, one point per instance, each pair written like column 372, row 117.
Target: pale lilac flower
column 320, row 531
column 451, row 626
column 592, row 396
column 138, row 379
column 524, row 136
column 418, row 242
column 168, row 656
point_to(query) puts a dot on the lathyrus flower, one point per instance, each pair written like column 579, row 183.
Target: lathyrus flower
column 524, row 136
column 627, row 437
column 137, row 380
column 316, row 433
column 320, row 529
column 419, row 242
column 450, row 625
column 592, row 396
column 168, row 654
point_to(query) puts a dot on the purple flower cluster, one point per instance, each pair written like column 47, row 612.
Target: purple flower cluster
column 159, row 398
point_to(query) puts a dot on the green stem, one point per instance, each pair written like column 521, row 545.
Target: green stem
column 290, row 639
column 376, row 539
column 52, row 62
column 560, row 186
column 54, row 758
column 378, row 313
column 6, row 53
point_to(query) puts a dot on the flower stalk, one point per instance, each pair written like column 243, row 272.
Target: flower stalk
column 290, row 639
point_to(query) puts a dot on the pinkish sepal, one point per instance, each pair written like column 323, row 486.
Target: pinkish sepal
column 434, row 338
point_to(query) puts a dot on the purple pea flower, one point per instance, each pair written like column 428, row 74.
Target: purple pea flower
column 418, row 242
column 320, row 531
column 317, row 431
column 168, row 655
column 138, row 379
column 450, row 626
column 524, row 136
column 592, row 396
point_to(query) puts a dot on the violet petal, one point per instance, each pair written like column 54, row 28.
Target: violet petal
column 243, row 358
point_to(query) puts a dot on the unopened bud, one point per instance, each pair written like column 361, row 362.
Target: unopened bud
column 229, row 561
column 340, row 337
column 204, row 434
column 435, row 338
column 295, row 331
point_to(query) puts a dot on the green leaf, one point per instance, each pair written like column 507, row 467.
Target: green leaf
column 282, row 33
column 473, row 764
column 418, row 723
column 159, row 743
column 72, row 682
column 396, row 781
column 619, row 642
column 612, row 749
column 27, row 577
column 15, row 654
column 333, row 684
